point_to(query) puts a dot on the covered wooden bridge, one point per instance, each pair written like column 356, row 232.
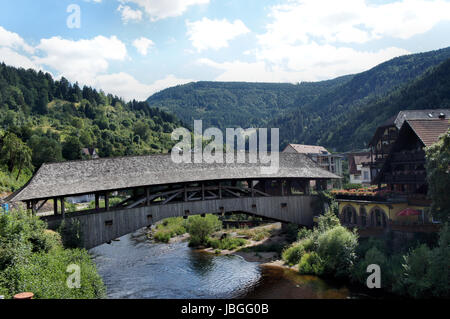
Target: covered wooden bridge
column 154, row 188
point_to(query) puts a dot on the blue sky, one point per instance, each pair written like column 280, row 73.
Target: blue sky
column 134, row 48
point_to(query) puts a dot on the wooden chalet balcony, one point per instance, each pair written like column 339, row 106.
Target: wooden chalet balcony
column 405, row 178
column 409, row 157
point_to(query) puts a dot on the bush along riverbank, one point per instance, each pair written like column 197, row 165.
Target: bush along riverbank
column 417, row 270
column 34, row 259
column 261, row 244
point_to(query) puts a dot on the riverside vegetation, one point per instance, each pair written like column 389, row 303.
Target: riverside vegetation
column 35, row 259
column 419, row 269
column 200, row 230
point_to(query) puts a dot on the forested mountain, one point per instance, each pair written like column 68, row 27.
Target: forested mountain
column 43, row 120
column 233, row 104
column 319, row 122
column 311, row 113
column 429, row 91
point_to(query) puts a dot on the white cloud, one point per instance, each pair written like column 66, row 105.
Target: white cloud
column 162, row 9
column 126, row 86
column 11, row 57
column 302, row 63
column 81, row 60
column 142, row 45
column 129, row 14
column 351, row 21
column 13, row 40
column 214, row 34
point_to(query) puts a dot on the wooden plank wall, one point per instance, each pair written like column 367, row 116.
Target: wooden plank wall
column 102, row 227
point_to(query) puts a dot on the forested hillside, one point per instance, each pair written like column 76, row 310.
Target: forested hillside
column 429, row 91
column 324, row 113
column 320, row 121
column 233, row 104
column 43, row 120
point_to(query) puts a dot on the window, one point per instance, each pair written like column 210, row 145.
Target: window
column 366, row 175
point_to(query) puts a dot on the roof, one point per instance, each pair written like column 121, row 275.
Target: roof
column 429, row 131
column 309, row 149
column 419, row 115
column 108, row 174
column 357, row 159
column 404, row 115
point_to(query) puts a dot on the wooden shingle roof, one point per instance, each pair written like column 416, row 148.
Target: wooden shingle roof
column 108, row 174
column 429, row 131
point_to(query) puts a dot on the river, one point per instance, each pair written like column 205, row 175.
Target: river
column 134, row 267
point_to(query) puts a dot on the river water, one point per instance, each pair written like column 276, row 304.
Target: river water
column 136, row 268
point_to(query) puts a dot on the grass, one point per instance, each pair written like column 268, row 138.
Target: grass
column 256, row 234
column 170, row 228
column 228, row 243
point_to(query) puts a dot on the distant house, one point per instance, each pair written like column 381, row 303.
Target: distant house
column 89, row 153
column 320, row 155
column 385, row 135
column 359, row 168
column 401, row 205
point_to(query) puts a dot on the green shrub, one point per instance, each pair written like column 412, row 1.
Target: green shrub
column 311, row 264
column 377, row 257
column 33, row 259
column 71, row 233
column 293, row 254
column 200, row 228
column 162, row 236
column 327, row 221
column 303, row 233
column 366, row 244
column 336, row 247
column 45, row 275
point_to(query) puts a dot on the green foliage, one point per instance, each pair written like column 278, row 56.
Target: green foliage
column 426, row 270
column 372, row 256
column 169, row 228
column 71, row 234
column 311, row 264
column 438, row 177
column 15, row 154
column 257, row 234
column 349, row 186
column 336, row 247
column 71, row 148
column 200, row 228
column 49, row 121
column 327, row 221
column 293, row 254
column 9, row 181
column 33, row 259
column 227, row 243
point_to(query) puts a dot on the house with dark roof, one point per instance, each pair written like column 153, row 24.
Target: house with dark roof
column 386, row 134
column 399, row 201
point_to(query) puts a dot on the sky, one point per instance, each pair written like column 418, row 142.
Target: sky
column 134, row 48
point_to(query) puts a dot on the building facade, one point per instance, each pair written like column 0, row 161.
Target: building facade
column 399, row 201
column 320, row 155
column 359, row 168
